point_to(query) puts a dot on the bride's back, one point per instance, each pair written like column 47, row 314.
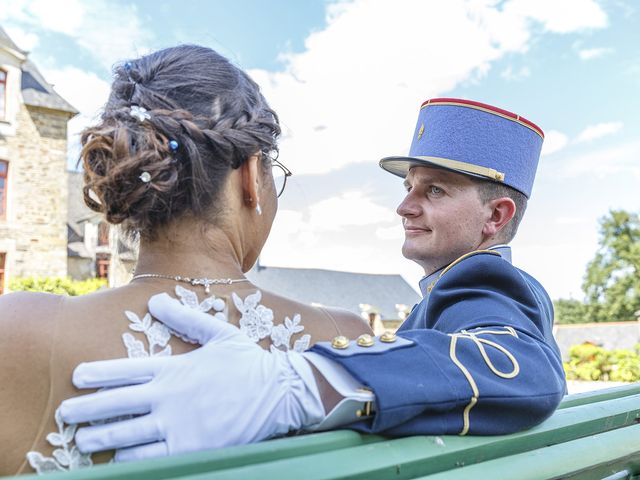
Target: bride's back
column 46, row 336
column 181, row 159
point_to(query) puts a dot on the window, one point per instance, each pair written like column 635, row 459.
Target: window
column 3, row 93
column 103, row 234
column 102, row 265
column 3, row 256
column 4, row 170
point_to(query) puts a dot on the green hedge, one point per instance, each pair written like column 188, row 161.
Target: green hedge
column 590, row 362
column 58, row 285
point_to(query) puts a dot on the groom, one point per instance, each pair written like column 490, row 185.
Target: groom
column 476, row 356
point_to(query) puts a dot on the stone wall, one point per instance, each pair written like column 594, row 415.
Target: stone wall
column 34, row 234
column 610, row 335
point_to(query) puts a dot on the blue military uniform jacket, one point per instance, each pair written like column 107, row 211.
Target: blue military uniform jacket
column 476, row 355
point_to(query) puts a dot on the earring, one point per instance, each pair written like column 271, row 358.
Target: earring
column 258, row 209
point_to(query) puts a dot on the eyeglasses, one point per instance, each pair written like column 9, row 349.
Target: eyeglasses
column 280, row 172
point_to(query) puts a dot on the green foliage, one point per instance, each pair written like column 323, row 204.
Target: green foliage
column 612, row 282
column 569, row 311
column 590, row 362
column 57, row 285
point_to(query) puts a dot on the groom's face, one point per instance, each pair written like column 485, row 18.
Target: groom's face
column 442, row 215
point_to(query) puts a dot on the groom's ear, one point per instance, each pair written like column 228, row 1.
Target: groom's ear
column 250, row 170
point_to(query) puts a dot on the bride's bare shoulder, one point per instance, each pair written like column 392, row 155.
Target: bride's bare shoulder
column 345, row 322
column 24, row 310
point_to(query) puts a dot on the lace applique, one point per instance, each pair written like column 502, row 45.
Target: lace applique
column 256, row 322
column 157, row 334
column 65, row 457
column 281, row 335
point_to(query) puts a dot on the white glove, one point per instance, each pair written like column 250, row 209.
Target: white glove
column 228, row 392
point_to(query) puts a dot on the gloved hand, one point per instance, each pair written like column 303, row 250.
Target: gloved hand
column 228, row 392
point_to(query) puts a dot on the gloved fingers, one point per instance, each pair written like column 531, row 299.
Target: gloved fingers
column 196, row 325
column 116, row 373
column 132, row 400
column 118, row 435
column 150, row 450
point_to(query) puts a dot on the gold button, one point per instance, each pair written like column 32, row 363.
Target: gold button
column 388, row 337
column 365, row 340
column 340, row 342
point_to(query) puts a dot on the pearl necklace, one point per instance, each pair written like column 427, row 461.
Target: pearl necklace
column 206, row 282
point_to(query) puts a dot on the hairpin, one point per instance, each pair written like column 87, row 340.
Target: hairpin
column 173, row 145
column 140, row 113
column 145, row 177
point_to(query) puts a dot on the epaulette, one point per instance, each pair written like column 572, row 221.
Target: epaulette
column 465, row 256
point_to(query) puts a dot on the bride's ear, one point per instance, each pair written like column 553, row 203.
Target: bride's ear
column 250, row 170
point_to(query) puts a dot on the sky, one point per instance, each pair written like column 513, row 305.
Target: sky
column 347, row 79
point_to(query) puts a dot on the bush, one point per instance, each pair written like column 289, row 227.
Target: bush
column 57, row 285
column 590, row 362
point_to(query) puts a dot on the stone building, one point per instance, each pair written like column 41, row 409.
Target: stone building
column 33, row 180
column 95, row 249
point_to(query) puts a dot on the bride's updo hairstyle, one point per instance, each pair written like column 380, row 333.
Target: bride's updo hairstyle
column 177, row 121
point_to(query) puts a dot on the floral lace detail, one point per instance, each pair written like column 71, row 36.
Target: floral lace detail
column 281, row 335
column 65, row 457
column 158, row 336
column 256, row 322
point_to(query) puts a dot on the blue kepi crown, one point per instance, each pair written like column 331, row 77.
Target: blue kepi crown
column 474, row 139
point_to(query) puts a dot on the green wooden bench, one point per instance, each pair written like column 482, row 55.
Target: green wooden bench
column 593, row 435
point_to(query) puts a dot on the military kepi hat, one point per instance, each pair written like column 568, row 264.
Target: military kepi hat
column 474, row 139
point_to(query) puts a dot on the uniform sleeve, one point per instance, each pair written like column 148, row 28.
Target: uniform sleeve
column 483, row 367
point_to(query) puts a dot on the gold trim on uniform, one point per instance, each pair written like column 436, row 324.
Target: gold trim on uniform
column 340, row 342
column 467, row 255
column 480, row 342
column 388, row 337
column 365, row 340
column 464, row 167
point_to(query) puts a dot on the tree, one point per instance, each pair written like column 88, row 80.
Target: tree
column 569, row 311
column 612, row 282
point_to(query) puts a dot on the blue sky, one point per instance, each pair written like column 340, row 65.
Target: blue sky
column 347, row 79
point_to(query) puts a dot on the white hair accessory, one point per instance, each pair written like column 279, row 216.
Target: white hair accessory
column 140, row 113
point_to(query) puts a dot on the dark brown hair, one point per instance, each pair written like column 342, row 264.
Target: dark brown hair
column 193, row 96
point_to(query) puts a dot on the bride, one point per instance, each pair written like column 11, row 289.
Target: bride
column 182, row 158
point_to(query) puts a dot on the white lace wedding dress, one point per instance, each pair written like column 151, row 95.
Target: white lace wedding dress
column 256, row 321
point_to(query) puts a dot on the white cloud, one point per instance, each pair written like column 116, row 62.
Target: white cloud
column 390, row 233
column 363, row 83
column 593, row 132
column 554, row 141
column 23, row 39
column 109, row 34
column 511, row 75
column 620, row 159
column 84, row 90
column 347, row 209
column 591, row 53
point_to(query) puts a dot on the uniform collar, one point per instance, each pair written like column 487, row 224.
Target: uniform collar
column 503, row 250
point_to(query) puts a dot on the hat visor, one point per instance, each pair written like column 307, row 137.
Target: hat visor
column 400, row 166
